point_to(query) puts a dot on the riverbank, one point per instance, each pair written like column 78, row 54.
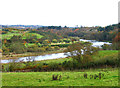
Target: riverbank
column 104, row 58
column 15, row 56
column 101, row 54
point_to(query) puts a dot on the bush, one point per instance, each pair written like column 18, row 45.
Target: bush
column 53, row 66
column 48, row 48
column 42, row 49
column 37, row 67
column 12, row 66
column 56, row 48
column 62, row 45
column 35, row 48
column 17, row 47
column 5, row 50
column 66, row 40
column 54, row 41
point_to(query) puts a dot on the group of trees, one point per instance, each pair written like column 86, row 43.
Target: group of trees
column 59, row 34
column 115, row 43
column 108, row 28
column 81, row 52
column 100, row 36
column 107, row 33
column 13, row 45
column 18, row 45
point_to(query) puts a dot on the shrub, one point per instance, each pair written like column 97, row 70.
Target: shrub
column 56, row 48
column 17, row 47
column 53, row 66
column 54, row 41
column 42, row 49
column 49, row 48
column 66, row 40
column 12, row 66
column 35, row 48
column 62, row 45
column 37, row 67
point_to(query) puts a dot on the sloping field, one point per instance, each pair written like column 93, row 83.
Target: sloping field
column 110, row 78
column 24, row 35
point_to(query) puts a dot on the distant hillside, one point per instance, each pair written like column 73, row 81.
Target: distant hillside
column 21, row 26
column 50, row 32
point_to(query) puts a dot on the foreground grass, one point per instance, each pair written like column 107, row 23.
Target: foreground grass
column 110, row 78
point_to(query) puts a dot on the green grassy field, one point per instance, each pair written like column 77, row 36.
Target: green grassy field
column 101, row 55
column 110, row 78
column 27, row 35
column 104, row 53
column 9, row 35
column 24, row 35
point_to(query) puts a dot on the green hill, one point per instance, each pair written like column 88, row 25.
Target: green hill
column 24, row 35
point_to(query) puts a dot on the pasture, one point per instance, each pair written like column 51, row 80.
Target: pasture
column 26, row 35
column 110, row 78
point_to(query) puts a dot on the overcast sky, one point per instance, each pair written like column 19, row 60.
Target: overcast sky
column 59, row 12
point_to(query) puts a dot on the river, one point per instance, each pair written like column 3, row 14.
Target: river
column 52, row 56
